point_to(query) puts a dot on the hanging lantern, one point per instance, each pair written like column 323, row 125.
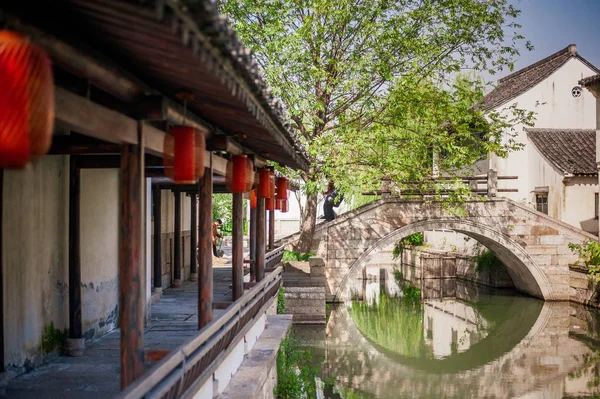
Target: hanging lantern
column 249, row 174
column 256, row 182
column 184, row 154
column 253, row 199
column 270, row 204
column 26, row 101
column 284, row 206
column 282, row 187
column 278, row 203
column 239, row 175
column 272, row 183
column 264, row 187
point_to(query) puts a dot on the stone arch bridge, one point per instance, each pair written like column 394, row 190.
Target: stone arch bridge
column 532, row 245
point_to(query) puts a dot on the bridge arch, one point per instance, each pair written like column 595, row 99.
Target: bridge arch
column 526, row 274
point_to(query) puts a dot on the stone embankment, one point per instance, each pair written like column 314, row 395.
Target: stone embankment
column 304, row 289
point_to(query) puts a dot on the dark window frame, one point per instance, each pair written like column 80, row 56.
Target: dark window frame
column 541, row 202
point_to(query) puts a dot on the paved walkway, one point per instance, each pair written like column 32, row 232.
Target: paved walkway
column 96, row 374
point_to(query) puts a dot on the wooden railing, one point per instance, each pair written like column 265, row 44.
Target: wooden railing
column 186, row 369
column 273, row 258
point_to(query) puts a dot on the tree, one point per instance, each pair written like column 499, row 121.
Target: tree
column 333, row 62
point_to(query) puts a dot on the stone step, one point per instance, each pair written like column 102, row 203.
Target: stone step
column 308, row 319
column 305, row 295
column 296, row 289
column 304, row 282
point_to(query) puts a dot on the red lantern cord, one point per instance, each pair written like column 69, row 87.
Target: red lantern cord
column 26, row 101
column 184, row 154
column 282, row 187
column 264, row 187
column 253, row 199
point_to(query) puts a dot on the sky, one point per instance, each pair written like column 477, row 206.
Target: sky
column 552, row 25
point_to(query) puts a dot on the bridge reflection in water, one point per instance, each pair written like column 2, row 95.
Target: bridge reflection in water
column 474, row 344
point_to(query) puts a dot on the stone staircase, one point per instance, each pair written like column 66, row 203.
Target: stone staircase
column 304, row 289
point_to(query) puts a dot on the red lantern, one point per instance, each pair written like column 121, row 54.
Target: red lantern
column 26, row 101
column 282, row 186
column 272, row 184
column 264, row 187
column 249, row 174
column 284, row 206
column 253, row 199
column 238, row 174
column 256, row 182
column 270, row 204
column 184, row 154
column 278, row 202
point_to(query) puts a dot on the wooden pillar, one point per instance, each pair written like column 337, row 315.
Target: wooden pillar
column 75, row 326
column 205, row 272
column 1, row 277
column 260, row 238
column 252, row 241
column 156, row 208
column 193, row 237
column 237, row 259
column 177, row 242
column 131, row 276
column 272, row 230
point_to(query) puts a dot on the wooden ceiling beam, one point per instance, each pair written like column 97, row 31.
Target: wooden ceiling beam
column 224, row 144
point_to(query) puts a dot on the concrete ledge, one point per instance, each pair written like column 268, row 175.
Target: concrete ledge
column 257, row 375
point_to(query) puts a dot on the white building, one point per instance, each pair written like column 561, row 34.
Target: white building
column 557, row 168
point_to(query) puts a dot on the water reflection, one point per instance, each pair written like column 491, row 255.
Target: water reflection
column 474, row 344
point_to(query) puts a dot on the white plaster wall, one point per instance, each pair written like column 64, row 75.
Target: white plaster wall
column 580, row 194
column 35, row 257
column 543, row 174
column 557, row 109
column 99, row 229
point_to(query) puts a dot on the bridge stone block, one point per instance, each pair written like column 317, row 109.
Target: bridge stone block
column 542, row 249
column 552, row 240
column 543, row 230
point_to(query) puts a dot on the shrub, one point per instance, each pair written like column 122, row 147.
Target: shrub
column 589, row 254
column 487, row 261
column 280, row 301
column 414, row 240
column 290, row 256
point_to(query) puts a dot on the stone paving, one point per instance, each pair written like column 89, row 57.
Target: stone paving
column 94, row 375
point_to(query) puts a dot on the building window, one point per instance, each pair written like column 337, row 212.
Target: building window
column 541, row 203
column 596, row 206
column 576, row 91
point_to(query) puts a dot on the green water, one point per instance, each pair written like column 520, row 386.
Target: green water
column 473, row 344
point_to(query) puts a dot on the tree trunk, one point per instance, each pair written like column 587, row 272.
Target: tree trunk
column 307, row 229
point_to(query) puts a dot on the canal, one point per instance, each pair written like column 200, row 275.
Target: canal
column 447, row 338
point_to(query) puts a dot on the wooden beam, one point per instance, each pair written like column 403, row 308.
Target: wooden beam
column 193, row 236
column 177, row 241
column 75, row 325
column 252, row 241
column 131, row 293
column 260, row 238
column 224, row 144
column 237, row 260
column 76, row 144
column 2, row 360
column 157, row 213
column 272, row 230
column 259, row 162
column 205, row 253
column 160, row 108
column 83, row 116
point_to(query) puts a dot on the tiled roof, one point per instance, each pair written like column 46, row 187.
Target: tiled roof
column 569, row 150
column 521, row 81
column 590, row 80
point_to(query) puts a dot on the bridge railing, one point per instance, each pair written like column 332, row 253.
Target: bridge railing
column 481, row 185
column 186, row 369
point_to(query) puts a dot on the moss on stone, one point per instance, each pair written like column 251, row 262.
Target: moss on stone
column 53, row 338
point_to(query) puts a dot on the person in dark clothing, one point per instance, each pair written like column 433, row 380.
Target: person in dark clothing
column 333, row 199
column 216, row 234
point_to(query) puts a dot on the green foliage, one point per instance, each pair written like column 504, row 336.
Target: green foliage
column 411, row 292
column 290, row 256
column 398, row 277
column 280, row 301
column 222, row 209
column 395, row 324
column 487, row 261
column 589, row 254
column 53, row 338
column 415, row 240
column 295, row 372
column 372, row 86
